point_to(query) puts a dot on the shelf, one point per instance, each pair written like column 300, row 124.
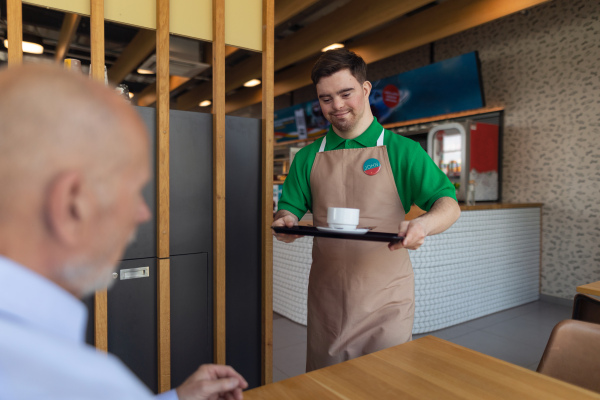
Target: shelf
column 288, row 142
column 443, row 117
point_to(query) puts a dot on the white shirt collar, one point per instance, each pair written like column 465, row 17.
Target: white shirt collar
column 31, row 299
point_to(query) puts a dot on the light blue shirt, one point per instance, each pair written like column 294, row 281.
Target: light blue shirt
column 43, row 354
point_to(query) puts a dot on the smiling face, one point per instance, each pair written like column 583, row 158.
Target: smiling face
column 345, row 103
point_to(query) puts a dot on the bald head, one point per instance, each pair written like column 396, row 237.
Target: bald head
column 70, row 148
column 54, row 119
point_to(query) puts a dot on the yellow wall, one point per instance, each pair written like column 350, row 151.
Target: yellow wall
column 190, row 18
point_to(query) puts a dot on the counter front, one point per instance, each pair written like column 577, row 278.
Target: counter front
column 488, row 261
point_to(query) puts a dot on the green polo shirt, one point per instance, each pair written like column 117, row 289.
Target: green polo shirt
column 418, row 180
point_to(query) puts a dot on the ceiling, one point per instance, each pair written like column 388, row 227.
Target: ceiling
column 374, row 29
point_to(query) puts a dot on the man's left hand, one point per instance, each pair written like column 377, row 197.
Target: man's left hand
column 414, row 235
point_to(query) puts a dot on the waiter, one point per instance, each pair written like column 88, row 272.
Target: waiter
column 361, row 294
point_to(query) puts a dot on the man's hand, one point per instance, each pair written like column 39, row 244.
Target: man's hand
column 444, row 212
column 285, row 218
column 212, row 382
column 414, row 235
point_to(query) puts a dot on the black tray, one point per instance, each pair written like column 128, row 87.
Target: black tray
column 312, row 231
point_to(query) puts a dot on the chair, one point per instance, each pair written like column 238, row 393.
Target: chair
column 573, row 354
column 586, row 308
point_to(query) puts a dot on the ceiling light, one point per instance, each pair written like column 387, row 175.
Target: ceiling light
column 205, row 103
column 252, row 83
column 332, row 47
column 29, row 46
column 144, row 71
column 131, row 95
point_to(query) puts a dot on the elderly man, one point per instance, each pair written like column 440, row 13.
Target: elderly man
column 73, row 161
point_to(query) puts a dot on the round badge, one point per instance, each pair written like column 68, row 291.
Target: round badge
column 371, row 166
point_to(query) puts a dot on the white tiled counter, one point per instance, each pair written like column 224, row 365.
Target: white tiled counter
column 488, row 261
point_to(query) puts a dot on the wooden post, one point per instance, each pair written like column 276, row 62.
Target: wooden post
column 97, row 49
column 14, row 20
column 268, row 76
column 162, row 200
column 218, row 111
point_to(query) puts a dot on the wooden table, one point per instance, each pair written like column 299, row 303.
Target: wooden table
column 426, row 368
column 591, row 288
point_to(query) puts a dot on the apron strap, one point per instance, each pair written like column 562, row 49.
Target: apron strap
column 379, row 141
column 322, row 148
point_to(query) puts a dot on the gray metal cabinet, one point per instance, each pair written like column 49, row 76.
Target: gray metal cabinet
column 243, row 238
column 144, row 245
column 191, row 183
column 191, row 329
column 132, row 329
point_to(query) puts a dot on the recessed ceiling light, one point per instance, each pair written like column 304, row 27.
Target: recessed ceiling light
column 144, row 71
column 252, row 83
column 205, row 103
column 332, row 47
column 29, row 47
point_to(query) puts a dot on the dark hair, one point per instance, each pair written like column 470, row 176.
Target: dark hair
column 336, row 60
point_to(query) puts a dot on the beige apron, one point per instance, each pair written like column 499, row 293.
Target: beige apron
column 360, row 294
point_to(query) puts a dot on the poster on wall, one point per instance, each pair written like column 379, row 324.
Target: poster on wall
column 444, row 87
column 300, row 122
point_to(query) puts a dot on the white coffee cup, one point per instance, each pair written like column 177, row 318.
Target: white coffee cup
column 343, row 218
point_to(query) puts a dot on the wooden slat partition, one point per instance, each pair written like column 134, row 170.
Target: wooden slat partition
column 218, row 111
column 268, row 75
column 162, row 195
column 14, row 19
column 97, row 49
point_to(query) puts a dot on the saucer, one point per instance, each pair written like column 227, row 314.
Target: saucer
column 356, row 231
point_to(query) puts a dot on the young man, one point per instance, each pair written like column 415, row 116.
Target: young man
column 74, row 158
column 361, row 294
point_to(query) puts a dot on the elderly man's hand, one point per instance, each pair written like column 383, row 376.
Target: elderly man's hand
column 213, row 382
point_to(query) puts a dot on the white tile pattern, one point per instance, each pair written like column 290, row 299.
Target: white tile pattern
column 486, row 262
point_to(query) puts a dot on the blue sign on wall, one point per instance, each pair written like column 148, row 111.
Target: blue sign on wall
column 444, row 87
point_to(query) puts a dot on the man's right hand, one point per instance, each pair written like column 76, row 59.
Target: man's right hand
column 213, row 382
column 285, row 218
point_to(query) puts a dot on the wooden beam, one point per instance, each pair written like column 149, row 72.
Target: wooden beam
column 142, row 45
column 218, row 110
column 268, row 76
column 14, row 21
column 436, row 23
column 67, row 31
column 433, row 24
column 147, row 96
column 161, row 41
column 203, row 91
column 286, row 9
column 97, row 50
column 286, row 81
column 352, row 19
